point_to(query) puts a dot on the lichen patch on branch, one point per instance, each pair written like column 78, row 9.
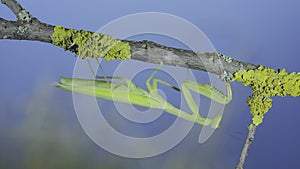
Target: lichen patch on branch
column 90, row 45
column 265, row 83
column 24, row 16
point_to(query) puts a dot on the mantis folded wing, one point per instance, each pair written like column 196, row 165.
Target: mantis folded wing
column 128, row 92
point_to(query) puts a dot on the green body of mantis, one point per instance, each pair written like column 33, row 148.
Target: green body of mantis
column 127, row 92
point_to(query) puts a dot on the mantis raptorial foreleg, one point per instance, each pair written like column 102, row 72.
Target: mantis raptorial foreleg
column 203, row 89
column 208, row 91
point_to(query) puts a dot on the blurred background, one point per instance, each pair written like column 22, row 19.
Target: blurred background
column 38, row 124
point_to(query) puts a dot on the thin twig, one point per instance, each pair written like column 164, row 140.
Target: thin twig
column 244, row 153
column 13, row 5
column 33, row 29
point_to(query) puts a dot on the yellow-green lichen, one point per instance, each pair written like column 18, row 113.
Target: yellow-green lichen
column 265, row 83
column 90, row 45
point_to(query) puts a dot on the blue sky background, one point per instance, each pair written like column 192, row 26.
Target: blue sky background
column 38, row 124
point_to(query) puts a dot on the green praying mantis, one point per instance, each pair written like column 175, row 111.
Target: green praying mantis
column 127, row 92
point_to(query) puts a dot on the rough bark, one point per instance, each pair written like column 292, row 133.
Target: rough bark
column 27, row 27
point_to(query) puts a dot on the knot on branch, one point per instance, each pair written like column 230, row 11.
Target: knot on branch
column 265, row 83
column 24, row 16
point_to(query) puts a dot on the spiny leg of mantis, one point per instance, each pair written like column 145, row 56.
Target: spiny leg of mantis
column 203, row 89
column 208, row 91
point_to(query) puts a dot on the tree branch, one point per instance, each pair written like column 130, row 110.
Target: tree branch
column 13, row 5
column 27, row 27
column 35, row 31
column 244, row 153
column 147, row 51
